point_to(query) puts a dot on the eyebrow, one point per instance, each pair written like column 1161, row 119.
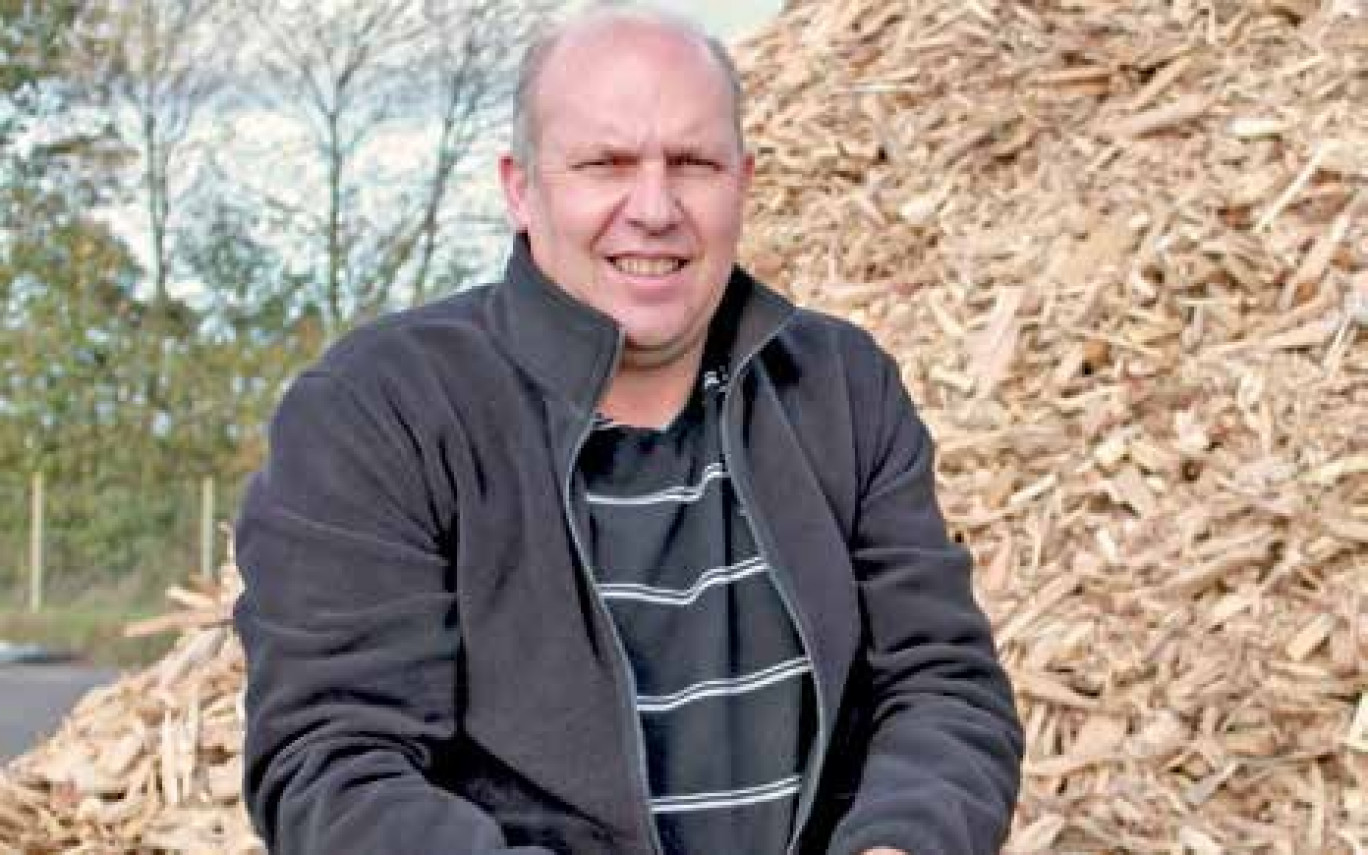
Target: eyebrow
column 709, row 150
column 603, row 136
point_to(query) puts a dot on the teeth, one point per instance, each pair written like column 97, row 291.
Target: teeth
column 647, row 266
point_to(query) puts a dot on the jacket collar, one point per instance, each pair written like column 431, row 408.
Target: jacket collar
column 571, row 348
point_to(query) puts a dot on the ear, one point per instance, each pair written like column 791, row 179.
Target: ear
column 515, row 181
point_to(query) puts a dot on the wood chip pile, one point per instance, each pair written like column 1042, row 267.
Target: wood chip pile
column 1121, row 251
column 152, row 763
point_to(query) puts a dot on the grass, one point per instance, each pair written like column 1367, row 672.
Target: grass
column 93, row 635
column 89, row 623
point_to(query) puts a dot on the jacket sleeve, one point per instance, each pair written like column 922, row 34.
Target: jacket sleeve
column 349, row 630
column 943, row 766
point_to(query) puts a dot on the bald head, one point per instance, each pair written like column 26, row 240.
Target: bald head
column 601, row 23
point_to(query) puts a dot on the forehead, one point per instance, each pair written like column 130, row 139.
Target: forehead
column 625, row 80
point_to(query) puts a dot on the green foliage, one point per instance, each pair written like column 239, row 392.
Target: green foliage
column 29, row 37
column 134, row 365
column 121, row 402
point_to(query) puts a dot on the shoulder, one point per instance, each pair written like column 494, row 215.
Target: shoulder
column 409, row 339
column 813, row 327
column 397, row 368
column 832, row 365
column 819, row 346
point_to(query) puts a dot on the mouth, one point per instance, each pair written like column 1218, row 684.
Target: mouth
column 653, row 266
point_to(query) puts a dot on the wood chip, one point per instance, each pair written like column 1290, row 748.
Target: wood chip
column 1138, row 335
column 1157, row 119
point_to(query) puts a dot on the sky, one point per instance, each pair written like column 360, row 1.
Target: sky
column 255, row 139
column 729, row 19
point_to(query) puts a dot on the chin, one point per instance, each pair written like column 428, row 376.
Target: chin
column 650, row 350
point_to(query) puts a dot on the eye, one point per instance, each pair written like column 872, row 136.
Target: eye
column 604, row 164
column 694, row 164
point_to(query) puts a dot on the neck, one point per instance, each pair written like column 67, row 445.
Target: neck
column 650, row 396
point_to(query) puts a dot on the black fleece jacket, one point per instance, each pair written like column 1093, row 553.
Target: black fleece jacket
column 430, row 671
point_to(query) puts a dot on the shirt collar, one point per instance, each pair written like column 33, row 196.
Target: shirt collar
column 571, row 348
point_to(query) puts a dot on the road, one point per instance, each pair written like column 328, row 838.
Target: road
column 34, row 698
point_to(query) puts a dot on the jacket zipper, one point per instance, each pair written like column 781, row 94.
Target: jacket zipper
column 740, row 478
column 635, row 740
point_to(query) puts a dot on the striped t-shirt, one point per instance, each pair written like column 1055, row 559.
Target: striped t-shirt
column 723, row 688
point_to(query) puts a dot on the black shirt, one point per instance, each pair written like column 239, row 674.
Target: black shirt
column 723, row 687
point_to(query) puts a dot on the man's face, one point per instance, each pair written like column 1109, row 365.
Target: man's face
column 635, row 200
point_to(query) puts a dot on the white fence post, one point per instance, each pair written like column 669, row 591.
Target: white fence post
column 207, row 528
column 36, row 544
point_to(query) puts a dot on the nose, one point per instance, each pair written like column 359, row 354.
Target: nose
column 651, row 203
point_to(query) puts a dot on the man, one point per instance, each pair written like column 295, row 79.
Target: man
column 624, row 554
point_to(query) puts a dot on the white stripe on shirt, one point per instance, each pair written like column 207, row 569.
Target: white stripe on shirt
column 727, row 798
column 727, row 686
column 684, row 494
column 676, row 597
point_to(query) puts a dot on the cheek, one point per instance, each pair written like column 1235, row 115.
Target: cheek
column 718, row 214
column 581, row 214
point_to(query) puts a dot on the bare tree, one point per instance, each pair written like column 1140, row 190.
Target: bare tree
column 152, row 67
column 472, row 81
column 380, row 85
column 156, row 66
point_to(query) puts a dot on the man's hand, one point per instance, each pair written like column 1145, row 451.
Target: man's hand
column 884, row 850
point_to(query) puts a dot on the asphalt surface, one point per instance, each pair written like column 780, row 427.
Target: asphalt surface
column 35, row 698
